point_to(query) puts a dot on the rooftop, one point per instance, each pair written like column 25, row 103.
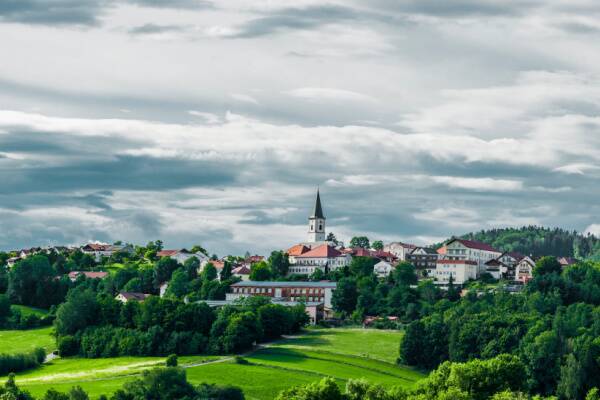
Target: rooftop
column 321, row 284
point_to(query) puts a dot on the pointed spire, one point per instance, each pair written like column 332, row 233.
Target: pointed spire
column 318, row 210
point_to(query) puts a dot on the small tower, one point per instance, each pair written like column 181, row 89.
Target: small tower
column 316, row 222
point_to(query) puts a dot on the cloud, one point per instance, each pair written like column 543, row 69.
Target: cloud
column 153, row 29
column 479, row 184
column 593, row 229
column 208, row 117
column 329, row 94
column 77, row 12
column 244, row 98
column 577, row 168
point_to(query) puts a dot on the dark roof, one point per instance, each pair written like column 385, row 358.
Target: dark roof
column 474, row 245
column 318, row 210
column 322, row 284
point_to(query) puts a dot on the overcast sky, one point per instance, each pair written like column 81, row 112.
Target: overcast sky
column 214, row 123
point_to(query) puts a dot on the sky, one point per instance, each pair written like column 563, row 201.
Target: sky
column 213, row 123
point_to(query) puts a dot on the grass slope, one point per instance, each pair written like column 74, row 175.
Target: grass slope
column 340, row 353
column 19, row 341
column 25, row 310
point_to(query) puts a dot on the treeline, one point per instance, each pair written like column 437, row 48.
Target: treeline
column 553, row 328
column 21, row 361
column 157, row 384
column 91, row 324
column 540, row 241
column 499, row 378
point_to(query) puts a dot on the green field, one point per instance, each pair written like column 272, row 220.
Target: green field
column 340, row 353
column 25, row 310
column 23, row 341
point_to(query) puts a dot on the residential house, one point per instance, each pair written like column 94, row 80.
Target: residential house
column 124, row 297
column 242, row 272
column 497, row 269
column 73, row 275
column 181, row 256
column 383, row 269
column 524, row 269
column 323, row 257
column 97, row 250
column 399, row 249
column 425, row 261
column 287, row 291
column 566, row 261
column 461, row 271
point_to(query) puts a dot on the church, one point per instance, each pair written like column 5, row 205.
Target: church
column 316, row 253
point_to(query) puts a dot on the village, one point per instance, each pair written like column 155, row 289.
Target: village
column 455, row 263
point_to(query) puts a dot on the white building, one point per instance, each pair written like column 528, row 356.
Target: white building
column 399, row 249
column 97, row 250
column 460, row 270
column 323, row 257
column 524, row 269
column 289, row 291
column 383, row 269
column 181, row 256
column 461, row 249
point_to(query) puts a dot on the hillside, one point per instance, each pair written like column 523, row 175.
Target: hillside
column 538, row 241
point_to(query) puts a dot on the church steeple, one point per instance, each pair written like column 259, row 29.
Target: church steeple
column 316, row 222
column 318, row 210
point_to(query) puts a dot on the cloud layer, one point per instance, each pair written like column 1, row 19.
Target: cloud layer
column 214, row 123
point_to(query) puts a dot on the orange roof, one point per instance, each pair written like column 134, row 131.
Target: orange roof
column 297, row 250
column 323, row 251
column 167, row 253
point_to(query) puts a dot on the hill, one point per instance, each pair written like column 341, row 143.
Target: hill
column 539, row 241
column 342, row 354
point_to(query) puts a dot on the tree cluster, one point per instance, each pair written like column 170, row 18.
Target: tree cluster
column 553, row 328
column 91, row 324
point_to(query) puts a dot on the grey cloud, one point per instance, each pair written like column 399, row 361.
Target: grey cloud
column 154, row 28
column 457, row 8
column 77, row 12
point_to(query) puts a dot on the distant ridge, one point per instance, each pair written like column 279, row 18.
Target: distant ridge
column 539, row 241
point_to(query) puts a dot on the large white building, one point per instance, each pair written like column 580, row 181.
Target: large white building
column 460, row 270
column 461, row 249
column 399, row 249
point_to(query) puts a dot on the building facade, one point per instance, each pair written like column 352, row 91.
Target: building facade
column 324, row 257
column 461, row 271
column 461, row 249
column 285, row 291
column 425, row 261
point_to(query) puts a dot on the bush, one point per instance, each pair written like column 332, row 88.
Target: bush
column 171, row 360
column 20, row 362
column 68, row 346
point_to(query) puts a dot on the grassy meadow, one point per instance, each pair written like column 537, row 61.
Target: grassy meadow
column 340, row 353
column 24, row 341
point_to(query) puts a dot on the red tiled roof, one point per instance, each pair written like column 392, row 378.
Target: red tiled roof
column 474, row 245
column 167, row 253
column 88, row 274
column 323, row 251
column 457, row 262
column 297, row 250
column 97, row 246
column 243, row 270
column 254, row 259
column 218, row 264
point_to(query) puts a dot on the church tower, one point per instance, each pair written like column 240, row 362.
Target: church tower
column 316, row 222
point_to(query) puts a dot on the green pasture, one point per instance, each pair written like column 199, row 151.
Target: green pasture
column 23, row 341
column 340, row 353
column 25, row 310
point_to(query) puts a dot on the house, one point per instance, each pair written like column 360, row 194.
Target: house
column 181, row 256
column 12, row 261
column 566, row 261
column 399, row 249
column 288, row 291
column 253, row 259
column 73, row 275
column 424, row 259
column 524, row 270
column 296, row 250
column 496, row 268
column 98, row 250
column 124, row 297
column 324, row 257
column 242, row 272
column 510, row 258
column 461, row 271
column 461, row 249
column 383, row 269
